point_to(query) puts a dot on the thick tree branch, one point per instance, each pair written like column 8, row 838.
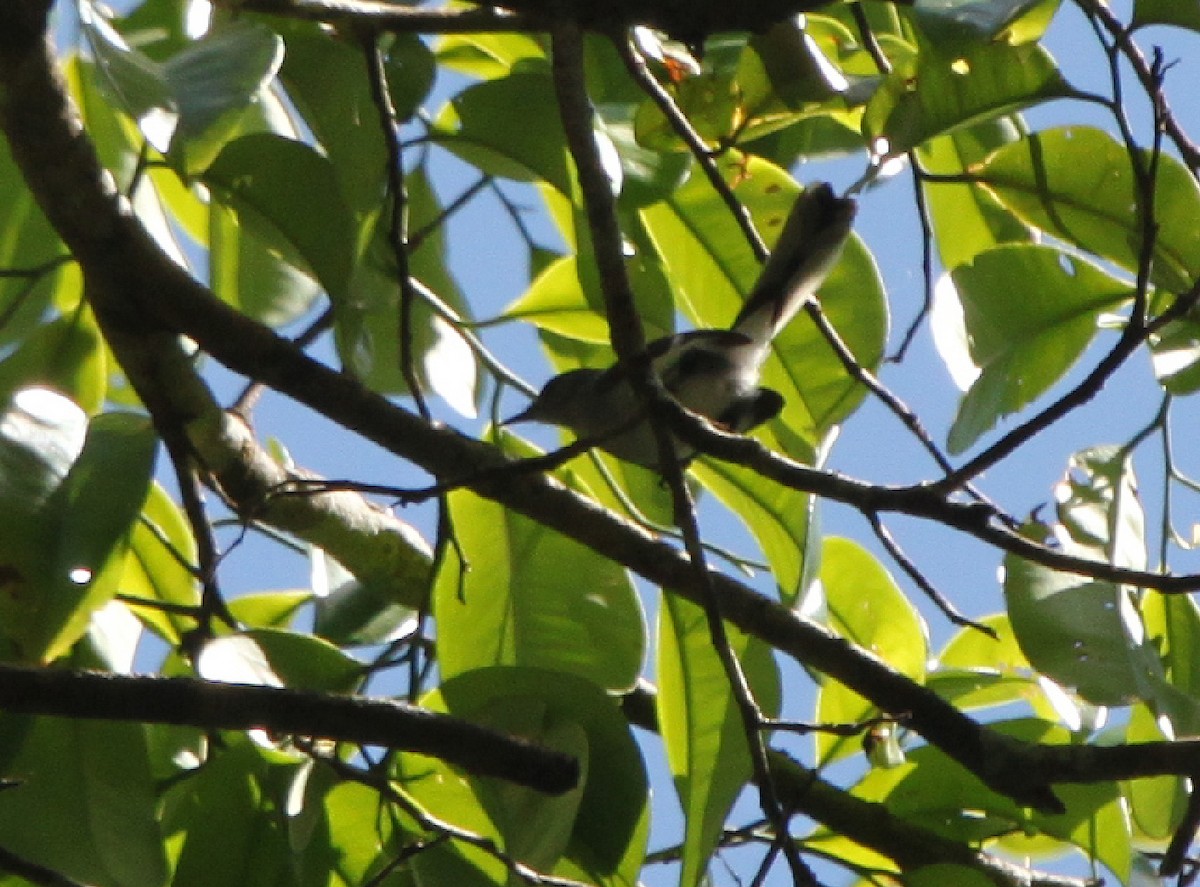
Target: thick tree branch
column 357, row 719
column 366, row 539
column 688, row 20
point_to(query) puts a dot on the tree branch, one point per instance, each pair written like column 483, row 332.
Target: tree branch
column 357, row 719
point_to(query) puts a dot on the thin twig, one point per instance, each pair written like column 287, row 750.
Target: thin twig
column 852, row 729
column 1148, row 78
column 636, row 66
column 416, row 238
column 398, row 221
column 922, row 206
column 870, row 41
column 436, row 825
column 898, row 408
column 914, row 573
column 212, row 603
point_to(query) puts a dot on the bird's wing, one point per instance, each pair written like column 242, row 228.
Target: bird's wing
column 664, row 353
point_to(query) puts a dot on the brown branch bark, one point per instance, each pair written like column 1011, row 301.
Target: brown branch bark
column 687, row 20
column 358, row 719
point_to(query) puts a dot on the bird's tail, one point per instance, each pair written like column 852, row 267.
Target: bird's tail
column 807, row 249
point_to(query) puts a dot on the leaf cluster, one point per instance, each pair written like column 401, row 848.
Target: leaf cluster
column 292, row 178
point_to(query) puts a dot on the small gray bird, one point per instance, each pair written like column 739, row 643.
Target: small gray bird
column 714, row 373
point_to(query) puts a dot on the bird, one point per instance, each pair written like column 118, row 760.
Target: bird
column 711, row 372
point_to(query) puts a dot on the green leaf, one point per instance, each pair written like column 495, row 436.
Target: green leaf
column 934, row 792
column 133, row 81
column 367, row 323
column 69, row 493
column 272, row 657
column 556, row 301
column 522, row 601
column 640, row 486
column 1173, row 628
column 966, row 221
column 66, row 355
column 1156, row 805
column 157, row 29
column 707, row 261
column 977, row 671
column 85, row 803
column 215, row 81
column 946, row 874
column 1024, row 338
column 160, row 546
column 327, row 80
column 41, row 435
column 1175, row 355
column 94, row 511
column 27, row 240
column 258, row 174
column 362, row 839
column 711, row 102
column 971, row 648
column 702, row 729
column 1173, row 623
column 1085, row 633
column 411, row 68
column 782, row 520
column 269, row 609
column 117, row 138
column 1077, row 183
column 479, row 126
column 979, row 21
column 606, row 817
column 794, row 67
column 355, row 613
column 219, row 817
column 867, row 608
column 944, row 92
column 1182, row 13
column 487, row 56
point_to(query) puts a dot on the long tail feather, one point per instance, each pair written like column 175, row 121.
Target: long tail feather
column 807, row 249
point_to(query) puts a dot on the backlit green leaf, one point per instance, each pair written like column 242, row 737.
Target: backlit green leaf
column 533, row 597
column 867, row 608
column 479, row 126
column 602, row 825
column 258, row 174
column 215, row 81
column 1084, row 633
column 1077, row 183
column 944, row 92
column 1024, row 338
column 702, row 729
column 966, row 220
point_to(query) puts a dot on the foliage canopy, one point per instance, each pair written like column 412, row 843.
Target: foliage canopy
column 274, row 186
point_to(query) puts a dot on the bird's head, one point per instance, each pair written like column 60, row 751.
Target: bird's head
column 566, row 400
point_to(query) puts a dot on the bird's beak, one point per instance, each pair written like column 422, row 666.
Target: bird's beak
column 526, row 415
